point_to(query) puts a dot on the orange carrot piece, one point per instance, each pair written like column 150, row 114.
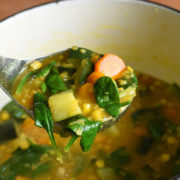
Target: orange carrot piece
column 86, row 91
column 110, row 65
column 94, row 76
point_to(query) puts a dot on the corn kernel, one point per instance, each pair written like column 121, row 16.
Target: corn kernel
column 86, row 108
column 82, row 51
column 4, row 116
column 122, row 82
column 79, row 132
column 98, row 115
column 171, row 140
column 61, row 171
column 60, row 57
column 74, row 48
column 165, row 157
column 130, row 69
column 64, row 74
column 121, row 89
column 100, row 163
column 36, row 65
column 23, row 142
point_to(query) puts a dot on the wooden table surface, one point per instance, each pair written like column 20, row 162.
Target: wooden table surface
column 10, row 7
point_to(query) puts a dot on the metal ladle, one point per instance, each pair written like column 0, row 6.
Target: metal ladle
column 10, row 68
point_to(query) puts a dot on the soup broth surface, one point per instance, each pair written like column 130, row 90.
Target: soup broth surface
column 143, row 145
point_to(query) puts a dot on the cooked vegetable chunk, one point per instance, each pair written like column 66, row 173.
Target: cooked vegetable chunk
column 63, row 106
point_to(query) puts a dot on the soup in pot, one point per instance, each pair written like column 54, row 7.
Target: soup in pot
column 142, row 145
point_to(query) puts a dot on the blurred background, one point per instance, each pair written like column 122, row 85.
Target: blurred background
column 10, row 7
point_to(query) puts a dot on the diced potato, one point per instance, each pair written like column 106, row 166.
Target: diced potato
column 63, row 106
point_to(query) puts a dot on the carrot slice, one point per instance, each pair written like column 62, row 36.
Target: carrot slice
column 86, row 92
column 110, row 65
column 94, row 76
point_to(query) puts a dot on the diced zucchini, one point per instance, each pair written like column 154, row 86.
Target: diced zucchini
column 128, row 94
column 63, row 105
column 84, row 70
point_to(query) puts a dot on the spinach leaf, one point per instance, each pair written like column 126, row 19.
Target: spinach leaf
column 54, row 81
column 81, row 126
column 46, row 70
column 90, row 130
column 81, row 58
column 76, row 124
column 80, row 53
column 157, row 128
column 118, row 158
column 113, row 109
column 21, row 163
column 43, row 119
column 107, row 95
column 70, row 143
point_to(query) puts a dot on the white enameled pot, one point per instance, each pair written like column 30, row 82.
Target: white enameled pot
column 145, row 35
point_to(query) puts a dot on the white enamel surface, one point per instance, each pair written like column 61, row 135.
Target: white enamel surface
column 146, row 36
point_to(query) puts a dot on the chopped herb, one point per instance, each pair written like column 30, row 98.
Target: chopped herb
column 23, row 81
column 43, row 87
column 45, row 71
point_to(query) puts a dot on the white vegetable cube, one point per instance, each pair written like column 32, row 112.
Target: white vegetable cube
column 63, row 105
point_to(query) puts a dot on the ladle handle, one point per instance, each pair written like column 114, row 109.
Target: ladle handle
column 9, row 69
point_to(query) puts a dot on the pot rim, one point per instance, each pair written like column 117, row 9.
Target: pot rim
column 59, row 1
